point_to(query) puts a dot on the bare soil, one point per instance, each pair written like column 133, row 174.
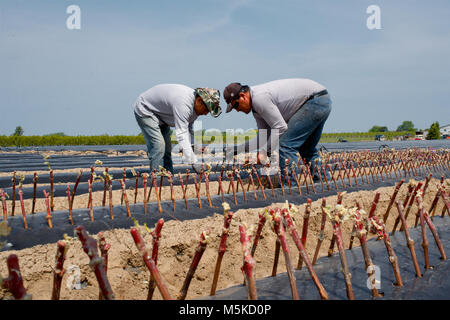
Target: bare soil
column 130, row 278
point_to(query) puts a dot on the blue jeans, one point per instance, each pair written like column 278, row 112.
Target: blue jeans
column 304, row 132
column 157, row 139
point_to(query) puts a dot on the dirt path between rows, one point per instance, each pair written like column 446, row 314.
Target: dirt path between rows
column 129, row 276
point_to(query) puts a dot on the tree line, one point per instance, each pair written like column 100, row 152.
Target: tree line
column 433, row 132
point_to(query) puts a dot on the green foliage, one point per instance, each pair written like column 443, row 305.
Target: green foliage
column 60, row 134
column 18, row 132
column 359, row 136
column 406, row 126
column 434, row 133
column 378, row 129
column 56, row 140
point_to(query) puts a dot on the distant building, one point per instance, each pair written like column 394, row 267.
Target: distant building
column 445, row 130
column 419, row 135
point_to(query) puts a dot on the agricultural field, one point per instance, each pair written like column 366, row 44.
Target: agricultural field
column 83, row 225
column 204, row 137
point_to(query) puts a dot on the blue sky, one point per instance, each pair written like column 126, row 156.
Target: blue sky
column 84, row 82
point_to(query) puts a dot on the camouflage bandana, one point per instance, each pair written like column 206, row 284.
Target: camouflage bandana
column 211, row 98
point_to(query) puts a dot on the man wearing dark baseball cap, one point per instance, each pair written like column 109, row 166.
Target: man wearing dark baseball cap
column 296, row 108
column 173, row 105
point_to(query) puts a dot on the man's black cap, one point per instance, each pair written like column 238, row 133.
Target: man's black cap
column 231, row 93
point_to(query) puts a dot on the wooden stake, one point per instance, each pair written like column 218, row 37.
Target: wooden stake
column 409, row 240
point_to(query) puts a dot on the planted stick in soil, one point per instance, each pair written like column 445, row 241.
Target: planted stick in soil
column 172, row 195
column 281, row 183
column 124, row 179
column 111, row 211
column 68, row 201
column 97, row 264
column 347, row 275
column 35, row 177
column 391, row 202
column 51, row 191
column 424, row 233
column 433, row 230
column 251, row 182
column 158, row 198
column 156, row 235
column 409, row 240
column 261, row 222
column 239, row 182
column 446, row 202
column 304, row 230
column 14, row 282
column 333, row 238
column 294, row 234
column 144, row 186
column 276, row 257
column 296, row 180
column 104, row 248
column 77, row 181
column 91, row 207
column 411, row 202
column 405, row 202
column 197, row 191
column 286, row 176
column 221, row 189
column 230, row 176
column 259, row 182
column 270, row 184
column 220, row 178
column 371, row 214
column 5, row 209
column 49, row 215
column 58, row 271
column 124, row 193
column 381, row 228
column 22, row 206
column 13, row 203
column 228, row 215
column 136, row 187
column 311, row 178
column 105, row 188
column 195, row 261
column 433, row 207
column 370, row 269
column 279, row 231
column 321, row 232
column 249, row 264
column 325, row 176
column 184, row 191
column 91, row 180
column 207, row 189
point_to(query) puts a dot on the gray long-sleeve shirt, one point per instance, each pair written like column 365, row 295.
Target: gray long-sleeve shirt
column 173, row 104
column 275, row 102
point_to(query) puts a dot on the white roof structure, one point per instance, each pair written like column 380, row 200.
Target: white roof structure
column 445, row 129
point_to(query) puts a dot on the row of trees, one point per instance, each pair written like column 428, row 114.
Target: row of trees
column 433, row 132
column 405, row 126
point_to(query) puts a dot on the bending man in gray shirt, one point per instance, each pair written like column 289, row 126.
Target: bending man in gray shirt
column 295, row 111
column 173, row 105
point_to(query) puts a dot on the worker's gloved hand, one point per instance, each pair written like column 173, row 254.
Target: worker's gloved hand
column 197, row 167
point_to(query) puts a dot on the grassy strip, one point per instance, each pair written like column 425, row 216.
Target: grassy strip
column 28, row 141
column 362, row 136
column 58, row 140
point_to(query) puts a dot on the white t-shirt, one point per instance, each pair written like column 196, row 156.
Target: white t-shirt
column 173, row 104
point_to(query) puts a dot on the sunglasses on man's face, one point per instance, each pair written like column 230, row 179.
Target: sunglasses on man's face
column 235, row 103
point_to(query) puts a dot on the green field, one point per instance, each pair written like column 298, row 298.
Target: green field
column 60, row 140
